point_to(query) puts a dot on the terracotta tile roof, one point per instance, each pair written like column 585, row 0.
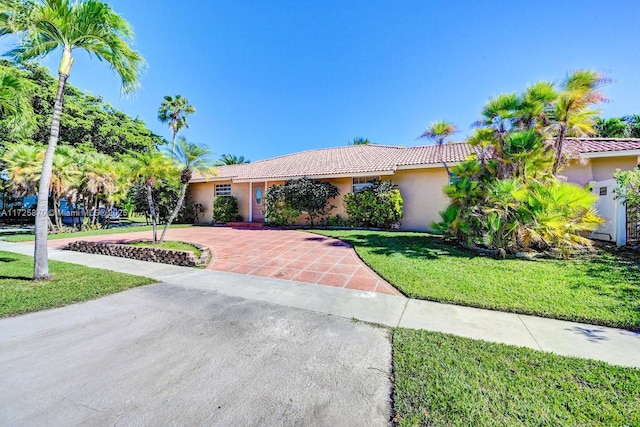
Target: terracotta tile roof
column 359, row 159
column 600, row 145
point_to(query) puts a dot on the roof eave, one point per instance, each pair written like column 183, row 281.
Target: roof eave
column 617, row 153
column 325, row 176
column 427, row 165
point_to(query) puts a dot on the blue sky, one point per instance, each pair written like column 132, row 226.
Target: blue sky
column 274, row 77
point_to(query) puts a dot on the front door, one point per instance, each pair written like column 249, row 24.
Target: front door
column 258, row 203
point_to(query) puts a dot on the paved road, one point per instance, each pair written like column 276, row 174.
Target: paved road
column 174, row 355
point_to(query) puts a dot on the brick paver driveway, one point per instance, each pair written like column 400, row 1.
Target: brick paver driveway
column 281, row 254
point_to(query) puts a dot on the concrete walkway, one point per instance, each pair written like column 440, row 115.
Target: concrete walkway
column 616, row 346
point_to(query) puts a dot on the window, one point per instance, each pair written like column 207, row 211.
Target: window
column 603, row 191
column 223, row 190
column 362, row 182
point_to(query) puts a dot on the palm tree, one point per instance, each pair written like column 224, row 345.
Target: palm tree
column 15, row 94
column 65, row 179
column 23, row 166
column 358, row 140
column 174, row 111
column 151, row 166
column 190, row 158
column 614, row 127
column 229, row 159
column 45, row 26
column 633, row 126
column 439, row 131
column 100, row 181
column 571, row 115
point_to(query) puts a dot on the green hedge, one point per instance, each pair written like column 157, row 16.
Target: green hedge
column 225, row 209
column 377, row 206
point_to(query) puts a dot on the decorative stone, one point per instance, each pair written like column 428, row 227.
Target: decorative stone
column 165, row 256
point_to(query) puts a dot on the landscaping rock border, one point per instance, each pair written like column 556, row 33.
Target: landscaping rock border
column 141, row 253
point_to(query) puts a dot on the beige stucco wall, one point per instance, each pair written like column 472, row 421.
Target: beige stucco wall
column 603, row 168
column 203, row 193
column 597, row 169
column 423, row 195
column 578, row 173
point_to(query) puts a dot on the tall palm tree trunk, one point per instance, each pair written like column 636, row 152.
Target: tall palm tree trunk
column 41, row 261
column 559, row 146
column 174, row 214
column 173, row 144
column 446, row 168
column 152, row 210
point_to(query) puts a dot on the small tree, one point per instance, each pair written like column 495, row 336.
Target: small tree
column 377, row 206
column 277, row 209
column 188, row 158
column 312, row 197
column 151, row 166
column 629, row 189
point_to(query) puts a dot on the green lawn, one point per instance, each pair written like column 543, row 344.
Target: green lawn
column 70, row 283
column 178, row 246
column 604, row 289
column 116, row 230
column 443, row 380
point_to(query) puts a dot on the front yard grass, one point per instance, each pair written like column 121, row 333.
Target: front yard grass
column 116, row 230
column 71, row 283
column 446, row 380
column 603, row 289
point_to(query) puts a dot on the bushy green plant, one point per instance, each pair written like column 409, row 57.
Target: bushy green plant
column 225, row 208
column 277, row 209
column 628, row 189
column 336, row 221
column 506, row 195
column 377, row 206
column 311, row 196
column 285, row 203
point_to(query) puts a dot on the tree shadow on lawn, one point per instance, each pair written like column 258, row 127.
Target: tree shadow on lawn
column 19, row 278
column 601, row 268
column 416, row 246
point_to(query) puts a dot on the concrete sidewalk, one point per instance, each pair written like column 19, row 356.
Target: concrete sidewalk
column 616, row 346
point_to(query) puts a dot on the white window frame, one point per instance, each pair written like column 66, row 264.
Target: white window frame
column 222, row 190
column 360, row 183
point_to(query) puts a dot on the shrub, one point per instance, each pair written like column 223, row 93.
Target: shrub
column 628, row 189
column 285, row 203
column 513, row 215
column 312, row 197
column 277, row 209
column 225, row 208
column 377, row 206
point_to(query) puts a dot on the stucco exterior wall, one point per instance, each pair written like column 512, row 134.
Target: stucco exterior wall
column 603, row 168
column 577, row 173
column 204, row 192
column 597, row 169
column 423, row 195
